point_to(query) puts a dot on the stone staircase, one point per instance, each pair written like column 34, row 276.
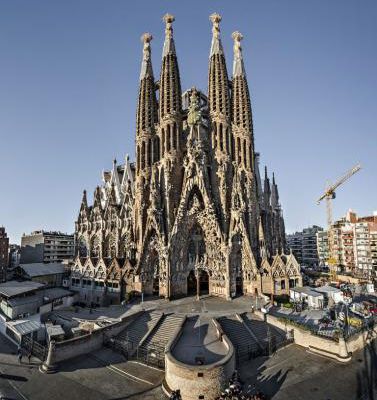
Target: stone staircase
column 138, row 328
column 237, row 332
column 163, row 331
column 262, row 330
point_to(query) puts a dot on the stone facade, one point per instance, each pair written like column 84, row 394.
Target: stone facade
column 190, row 216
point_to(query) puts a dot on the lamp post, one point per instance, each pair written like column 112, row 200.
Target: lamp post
column 142, row 287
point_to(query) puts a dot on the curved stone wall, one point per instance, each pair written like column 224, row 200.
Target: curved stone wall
column 199, row 381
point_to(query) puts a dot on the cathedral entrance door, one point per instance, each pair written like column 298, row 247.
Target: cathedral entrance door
column 203, row 283
column 239, row 286
column 156, row 286
column 191, row 284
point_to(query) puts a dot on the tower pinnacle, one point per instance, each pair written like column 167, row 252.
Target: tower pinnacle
column 215, row 18
column 146, row 66
column 216, row 46
column 169, row 42
column 238, row 67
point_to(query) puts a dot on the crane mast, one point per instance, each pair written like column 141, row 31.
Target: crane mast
column 329, row 195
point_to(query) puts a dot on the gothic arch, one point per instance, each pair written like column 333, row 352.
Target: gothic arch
column 82, row 247
column 95, row 247
column 151, row 269
column 111, row 246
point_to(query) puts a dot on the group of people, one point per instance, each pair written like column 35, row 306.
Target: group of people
column 175, row 395
column 20, row 354
column 234, row 391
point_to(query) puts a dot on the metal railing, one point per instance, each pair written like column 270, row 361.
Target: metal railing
column 151, row 354
column 34, row 348
column 250, row 351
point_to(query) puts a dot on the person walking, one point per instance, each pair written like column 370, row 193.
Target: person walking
column 20, row 356
column 29, row 356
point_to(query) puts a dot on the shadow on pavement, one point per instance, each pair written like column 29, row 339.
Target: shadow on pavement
column 367, row 374
column 253, row 376
column 13, row 377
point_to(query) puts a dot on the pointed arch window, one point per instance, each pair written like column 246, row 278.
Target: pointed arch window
column 143, row 155
column 244, row 152
column 162, row 142
column 239, row 150
column 221, row 137
column 168, row 141
column 82, row 248
column 156, row 149
column 149, row 152
column 174, row 136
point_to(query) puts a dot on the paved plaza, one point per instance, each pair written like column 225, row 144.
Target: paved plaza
column 291, row 373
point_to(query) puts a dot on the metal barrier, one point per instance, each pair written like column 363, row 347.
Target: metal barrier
column 274, row 343
column 151, row 354
column 34, row 348
column 125, row 347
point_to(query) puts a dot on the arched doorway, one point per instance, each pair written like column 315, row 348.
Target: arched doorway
column 203, row 283
column 239, row 286
column 156, row 286
column 191, row 284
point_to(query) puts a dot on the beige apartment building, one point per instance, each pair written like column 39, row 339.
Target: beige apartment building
column 353, row 243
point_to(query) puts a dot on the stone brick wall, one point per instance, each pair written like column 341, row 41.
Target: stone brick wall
column 67, row 349
column 341, row 351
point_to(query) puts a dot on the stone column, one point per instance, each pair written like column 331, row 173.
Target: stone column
column 344, row 355
column 49, row 367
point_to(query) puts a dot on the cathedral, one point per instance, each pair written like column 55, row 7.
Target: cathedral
column 190, row 216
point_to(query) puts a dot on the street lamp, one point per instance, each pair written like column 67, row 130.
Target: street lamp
column 142, row 286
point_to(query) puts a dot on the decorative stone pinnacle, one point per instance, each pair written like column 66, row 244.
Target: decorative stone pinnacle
column 237, row 36
column 146, row 37
column 168, row 19
column 215, row 18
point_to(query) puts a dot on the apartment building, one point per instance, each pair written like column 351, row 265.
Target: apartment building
column 353, row 243
column 323, row 247
column 47, row 247
column 304, row 245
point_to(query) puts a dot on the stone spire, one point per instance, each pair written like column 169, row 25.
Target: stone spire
column 170, row 129
column 147, row 144
column 258, row 177
column 274, row 193
column 218, row 83
column 220, row 124
column 241, row 109
column 267, row 189
column 146, row 115
column 84, row 201
column 170, row 82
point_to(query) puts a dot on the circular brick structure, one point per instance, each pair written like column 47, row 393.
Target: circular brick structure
column 199, row 360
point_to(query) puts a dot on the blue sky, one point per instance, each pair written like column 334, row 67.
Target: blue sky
column 68, row 87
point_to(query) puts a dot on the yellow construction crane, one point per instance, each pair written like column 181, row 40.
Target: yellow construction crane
column 329, row 195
